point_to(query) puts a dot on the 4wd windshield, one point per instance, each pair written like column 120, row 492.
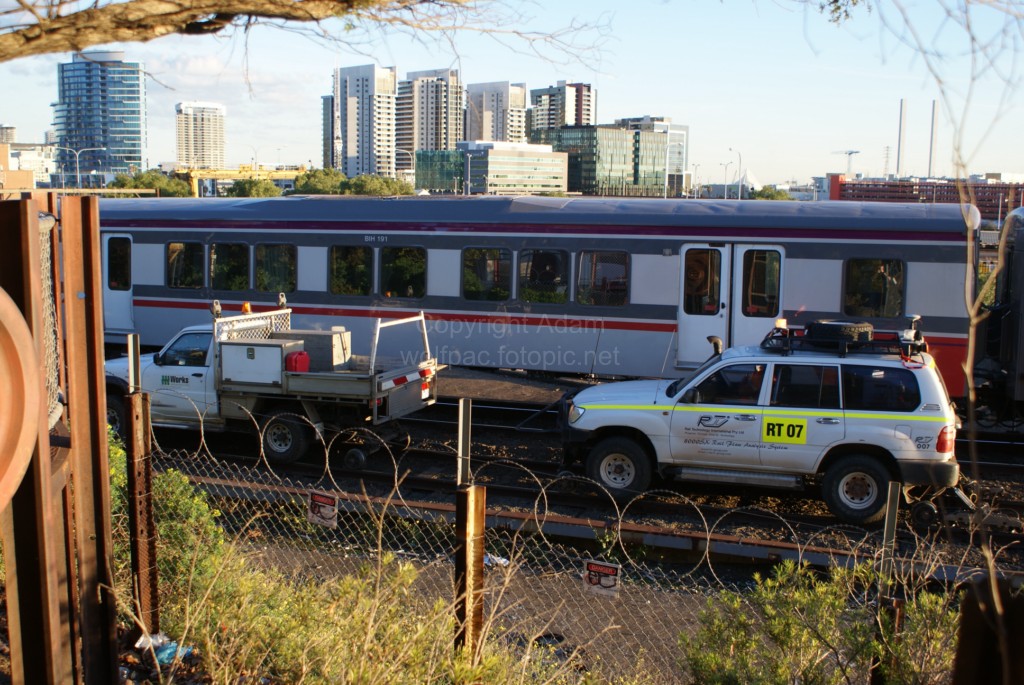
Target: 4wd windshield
column 675, row 386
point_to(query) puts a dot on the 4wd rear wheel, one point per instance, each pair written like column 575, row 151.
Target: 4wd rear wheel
column 116, row 416
column 855, row 489
column 620, row 465
column 285, row 437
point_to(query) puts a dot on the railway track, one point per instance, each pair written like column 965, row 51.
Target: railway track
column 532, row 482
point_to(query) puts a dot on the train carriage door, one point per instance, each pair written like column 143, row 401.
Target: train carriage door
column 118, row 316
column 756, row 292
column 703, row 304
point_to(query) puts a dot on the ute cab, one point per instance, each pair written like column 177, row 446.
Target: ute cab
column 835, row 406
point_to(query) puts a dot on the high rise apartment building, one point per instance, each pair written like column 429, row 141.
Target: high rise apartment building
column 496, row 111
column 564, row 104
column 199, row 134
column 360, row 131
column 429, row 114
column 8, row 134
column 100, row 116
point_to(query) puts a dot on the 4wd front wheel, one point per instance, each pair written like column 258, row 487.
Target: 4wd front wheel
column 620, row 465
column 285, row 437
column 855, row 489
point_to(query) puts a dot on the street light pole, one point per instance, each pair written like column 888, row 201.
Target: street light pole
column 77, row 154
column 740, row 167
column 412, row 163
column 725, row 179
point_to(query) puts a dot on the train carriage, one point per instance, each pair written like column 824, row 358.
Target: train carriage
column 605, row 286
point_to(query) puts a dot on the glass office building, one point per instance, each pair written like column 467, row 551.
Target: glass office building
column 610, row 160
column 100, row 118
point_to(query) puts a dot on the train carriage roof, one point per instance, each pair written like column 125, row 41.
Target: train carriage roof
column 525, row 211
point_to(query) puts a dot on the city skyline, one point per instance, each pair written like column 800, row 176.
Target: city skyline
column 775, row 87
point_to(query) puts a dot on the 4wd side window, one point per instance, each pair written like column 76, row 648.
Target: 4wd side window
column 735, row 384
column 880, row 388
column 795, row 385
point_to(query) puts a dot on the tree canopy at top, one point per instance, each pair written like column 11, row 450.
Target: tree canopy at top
column 36, row 27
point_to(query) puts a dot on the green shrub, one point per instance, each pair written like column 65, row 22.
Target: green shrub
column 190, row 544
column 798, row 627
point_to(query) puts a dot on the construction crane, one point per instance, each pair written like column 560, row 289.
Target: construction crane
column 849, row 159
column 244, row 171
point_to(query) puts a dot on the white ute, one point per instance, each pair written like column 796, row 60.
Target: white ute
column 834, row 405
column 255, row 371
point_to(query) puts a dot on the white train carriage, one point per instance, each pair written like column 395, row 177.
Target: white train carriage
column 605, row 286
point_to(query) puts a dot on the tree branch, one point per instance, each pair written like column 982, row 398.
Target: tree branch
column 49, row 26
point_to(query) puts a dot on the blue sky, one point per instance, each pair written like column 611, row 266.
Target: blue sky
column 774, row 81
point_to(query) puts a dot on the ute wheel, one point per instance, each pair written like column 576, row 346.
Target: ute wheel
column 620, row 465
column 840, row 331
column 285, row 437
column 116, row 416
column 855, row 489
column 924, row 514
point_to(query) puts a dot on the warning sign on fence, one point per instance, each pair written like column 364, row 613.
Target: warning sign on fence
column 601, row 577
column 323, row 509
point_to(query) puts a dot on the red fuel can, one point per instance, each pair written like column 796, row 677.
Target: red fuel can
column 297, row 361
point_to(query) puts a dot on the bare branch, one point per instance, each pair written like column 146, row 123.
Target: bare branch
column 48, row 26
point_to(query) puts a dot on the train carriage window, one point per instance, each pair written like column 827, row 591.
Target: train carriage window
column 229, row 266
column 486, row 274
column 761, row 283
column 702, row 282
column 351, row 270
column 184, row 265
column 603, row 278
column 403, row 271
column 874, row 287
column 544, row 276
column 275, row 268
column 119, row 264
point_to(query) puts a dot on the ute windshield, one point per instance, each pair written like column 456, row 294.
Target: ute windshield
column 675, row 386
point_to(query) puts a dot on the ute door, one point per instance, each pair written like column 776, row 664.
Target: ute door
column 756, row 292
column 118, row 316
column 717, row 422
column 181, row 385
column 703, row 304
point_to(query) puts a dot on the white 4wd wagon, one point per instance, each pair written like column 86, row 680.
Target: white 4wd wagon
column 834, row 404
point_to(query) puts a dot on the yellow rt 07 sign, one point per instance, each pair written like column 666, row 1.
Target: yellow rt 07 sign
column 785, row 430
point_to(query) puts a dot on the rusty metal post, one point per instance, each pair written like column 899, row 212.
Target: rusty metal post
column 39, row 643
column 141, row 524
column 87, row 402
column 470, row 520
column 470, row 515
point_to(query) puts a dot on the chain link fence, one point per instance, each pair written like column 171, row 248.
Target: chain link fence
column 611, row 605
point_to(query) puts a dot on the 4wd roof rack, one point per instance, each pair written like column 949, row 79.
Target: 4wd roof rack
column 844, row 338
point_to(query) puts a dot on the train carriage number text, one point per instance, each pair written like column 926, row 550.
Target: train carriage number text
column 375, row 239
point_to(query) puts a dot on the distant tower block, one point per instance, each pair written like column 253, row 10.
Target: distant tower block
column 900, row 138
column 931, row 141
